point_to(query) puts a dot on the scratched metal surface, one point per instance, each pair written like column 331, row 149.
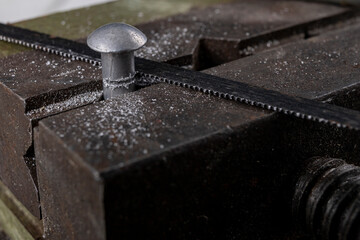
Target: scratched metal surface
column 314, row 68
column 79, row 23
column 158, row 140
column 178, row 37
column 185, row 109
column 36, row 85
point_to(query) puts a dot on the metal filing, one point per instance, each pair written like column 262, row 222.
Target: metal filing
column 117, row 42
column 118, row 74
column 169, row 162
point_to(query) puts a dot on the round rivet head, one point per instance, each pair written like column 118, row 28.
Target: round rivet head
column 117, row 42
column 116, row 38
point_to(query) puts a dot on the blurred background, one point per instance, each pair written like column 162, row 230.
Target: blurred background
column 19, row 10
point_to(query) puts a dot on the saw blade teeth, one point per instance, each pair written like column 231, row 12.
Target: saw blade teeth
column 150, row 78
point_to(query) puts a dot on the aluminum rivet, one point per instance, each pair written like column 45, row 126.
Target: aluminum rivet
column 117, row 42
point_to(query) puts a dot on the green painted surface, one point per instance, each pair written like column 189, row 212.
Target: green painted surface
column 11, row 225
column 7, row 49
column 79, row 23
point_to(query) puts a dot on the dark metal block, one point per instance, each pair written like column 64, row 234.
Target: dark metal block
column 103, row 143
column 152, row 146
column 35, row 85
column 225, row 32
column 324, row 67
column 40, row 85
column 187, row 158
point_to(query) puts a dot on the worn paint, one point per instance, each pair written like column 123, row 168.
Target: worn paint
column 81, row 22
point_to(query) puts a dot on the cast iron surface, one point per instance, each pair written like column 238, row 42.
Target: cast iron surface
column 34, row 85
column 236, row 29
column 37, row 85
column 225, row 88
column 213, row 203
column 315, row 68
column 208, row 168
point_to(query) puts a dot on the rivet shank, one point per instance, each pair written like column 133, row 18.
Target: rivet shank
column 117, row 42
